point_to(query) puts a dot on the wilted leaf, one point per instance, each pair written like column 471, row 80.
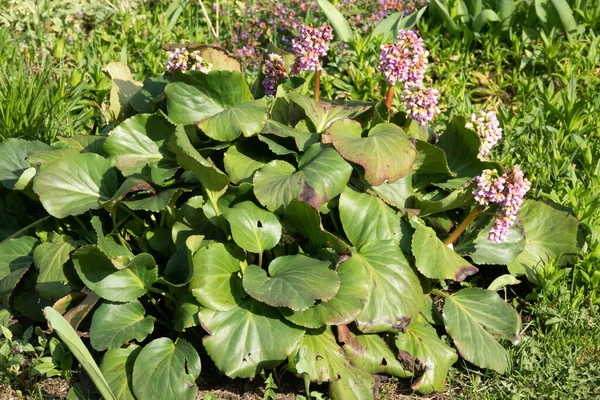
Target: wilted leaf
column 423, row 351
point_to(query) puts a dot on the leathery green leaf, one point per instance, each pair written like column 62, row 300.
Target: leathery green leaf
column 549, row 232
column 386, row 154
column 117, row 368
column 322, row 174
column 122, row 285
column 215, row 282
column 370, row 353
column 295, row 282
column 74, row 185
column 396, row 295
column 255, row 336
column 426, row 355
column 434, row 259
column 166, row 370
column 253, row 228
column 344, row 306
column 365, row 218
column 15, row 259
column 13, row 154
column 319, row 357
column 474, row 318
column 114, row 324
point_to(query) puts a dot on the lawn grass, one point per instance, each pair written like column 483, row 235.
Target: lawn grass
column 546, row 91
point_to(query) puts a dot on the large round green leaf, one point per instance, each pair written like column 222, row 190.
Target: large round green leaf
column 220, row 102
column 49, row 258
column 295, row 282
column 386, row 154
column 300, row 218
column 114, row 324
column 253, row 229
column 15, row 260
column 204, row 95
column 191, row 220
column 166, row 370
column 74, row 185
column 322, row 174
column 396, row 295
column 323, row 113
column 365, row 218
column 458, row 198
column 138, row 146
column 247, row 119
column 122, row 285
column 370, row 353
column 422, row 350
column 321, row 359
column 240, row 164
column 461, row 146
column 549, row 232
column 477, row 247
column 475, row 318
column 344, row 306
column 215, row 282
column 117, row 369
column 248, row 339
column 13, row 154
column 214, row 181
column 434, row 259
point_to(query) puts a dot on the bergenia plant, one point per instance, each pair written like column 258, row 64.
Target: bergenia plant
column 311, row 44
column 211, row 230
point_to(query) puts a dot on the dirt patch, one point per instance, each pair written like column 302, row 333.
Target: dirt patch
column 55, row 388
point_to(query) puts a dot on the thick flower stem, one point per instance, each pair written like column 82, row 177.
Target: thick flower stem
column 390, row 97
column 317, row 85
column 463, row 225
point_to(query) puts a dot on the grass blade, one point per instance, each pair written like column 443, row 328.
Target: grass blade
column 70, row 338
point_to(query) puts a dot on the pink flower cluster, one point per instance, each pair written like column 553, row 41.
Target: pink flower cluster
column 405, row 60
column 181, row 59
column 310, row 45
column 274, row 71
column 488, row 128
column 508, row 191
column 420, row 103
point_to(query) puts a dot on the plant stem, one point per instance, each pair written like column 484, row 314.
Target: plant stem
column 318, row 85
column 163, row 293
column 116, row 228
column 463, row 225
column 22, row 231
column 208, row 21
column 260, row 259
column 438, row 292
column 390, row 97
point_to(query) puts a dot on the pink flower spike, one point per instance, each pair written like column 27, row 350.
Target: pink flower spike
column 310, row 45
column 405, row 60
